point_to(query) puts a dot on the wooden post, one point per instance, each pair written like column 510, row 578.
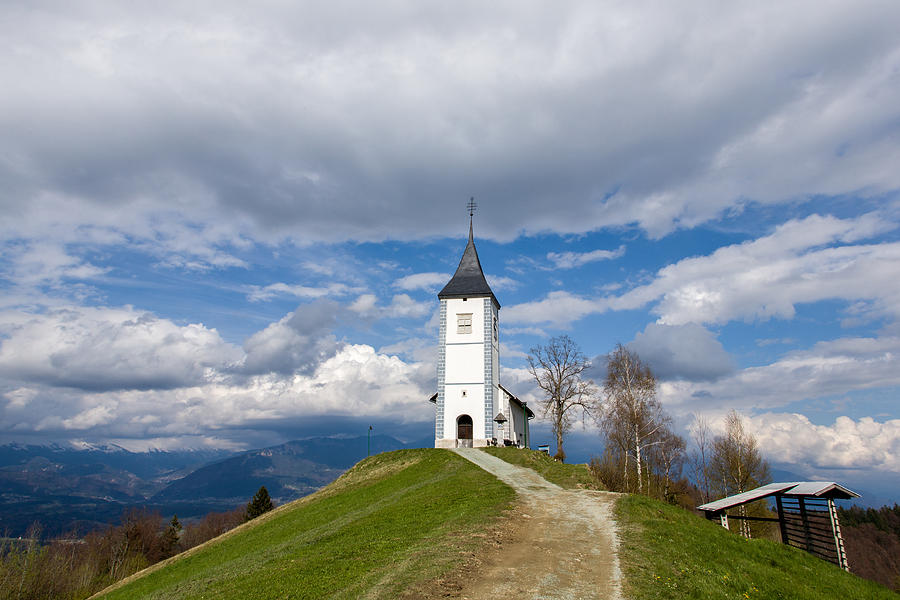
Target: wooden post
column 838, row 539
column 805, row 520
column 781, row 523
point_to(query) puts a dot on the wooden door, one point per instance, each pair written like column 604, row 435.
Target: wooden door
column 464, row 431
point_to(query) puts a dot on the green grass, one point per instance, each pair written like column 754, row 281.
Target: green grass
column 563, row 475
column 667, row 552
column 392, row 521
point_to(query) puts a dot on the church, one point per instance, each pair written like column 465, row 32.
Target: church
column 472, row 409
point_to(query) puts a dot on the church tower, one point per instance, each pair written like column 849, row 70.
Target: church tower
column 472, row 409
column 468, row 358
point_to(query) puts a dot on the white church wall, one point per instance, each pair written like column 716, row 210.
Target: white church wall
column 516, row 423
column 455, row 306
column 464, row 368
column 456, row 404
column 464, row 364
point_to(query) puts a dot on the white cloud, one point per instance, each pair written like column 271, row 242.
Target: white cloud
column 418, row 349
column 270, row 291
column 571, row 260
column 802, row 261
column 559, row 308
column 536, row 331
column 767, row 277
column 521, row 384
column 846, row 444
column 422, row 281
column 104, row 348
column 355, row 381
column 688, row 351
column 511, row 351
column 298, row 342
column 364, row 304
column 501, row 282
column 45, row 263
column 828, row 368
column 401, row 305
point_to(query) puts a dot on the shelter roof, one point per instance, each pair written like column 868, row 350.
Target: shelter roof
column 819, row 489
column 469, row 279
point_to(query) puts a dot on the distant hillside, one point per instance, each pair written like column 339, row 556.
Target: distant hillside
column 66, row 488
column 289, row 471
column 388, row 524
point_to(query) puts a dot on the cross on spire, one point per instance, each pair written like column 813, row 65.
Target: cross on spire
column 471, row 206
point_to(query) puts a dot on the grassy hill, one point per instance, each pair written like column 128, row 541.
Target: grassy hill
column 390, row 522
column 562, row 474
column 400, row 519
column 668, row 552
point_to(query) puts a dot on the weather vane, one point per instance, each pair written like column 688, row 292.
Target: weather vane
column 471, row 206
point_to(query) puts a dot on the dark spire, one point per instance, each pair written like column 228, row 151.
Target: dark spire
column 469, row 278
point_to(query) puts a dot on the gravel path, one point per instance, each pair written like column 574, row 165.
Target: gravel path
column 569, row 546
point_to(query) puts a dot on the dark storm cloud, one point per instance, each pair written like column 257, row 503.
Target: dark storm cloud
column 689, row 352
column 297, row 343
column 318, row 123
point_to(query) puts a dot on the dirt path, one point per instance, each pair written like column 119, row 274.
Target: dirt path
column 568, row 548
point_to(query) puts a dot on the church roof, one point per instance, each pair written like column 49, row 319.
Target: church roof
column 523, row 405
column 469, row 278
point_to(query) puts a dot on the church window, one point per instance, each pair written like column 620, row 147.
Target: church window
column 464, row 323
column 496, row 332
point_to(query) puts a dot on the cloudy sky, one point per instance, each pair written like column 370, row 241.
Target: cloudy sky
column 225, row 224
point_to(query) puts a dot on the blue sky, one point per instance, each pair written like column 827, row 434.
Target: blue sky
column 226, row 226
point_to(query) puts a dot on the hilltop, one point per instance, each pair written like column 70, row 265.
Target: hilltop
column 390, row 523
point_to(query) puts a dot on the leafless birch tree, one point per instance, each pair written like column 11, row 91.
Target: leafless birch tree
column 700, row 455
column 670, row 454
column 557, row 369
column 736, row 465
column 632, row 416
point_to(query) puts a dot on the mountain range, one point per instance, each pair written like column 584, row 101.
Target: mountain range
column 73, row 489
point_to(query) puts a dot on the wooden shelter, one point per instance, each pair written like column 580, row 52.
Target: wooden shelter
column 807, row 516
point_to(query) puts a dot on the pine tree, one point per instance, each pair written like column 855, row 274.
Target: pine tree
column 261, row 503
column 170, row 537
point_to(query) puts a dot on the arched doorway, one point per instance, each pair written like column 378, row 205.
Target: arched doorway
column 464, row 431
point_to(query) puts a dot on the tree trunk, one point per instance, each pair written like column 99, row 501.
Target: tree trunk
column 666, row 486
column 637, row 460
column 559, row 438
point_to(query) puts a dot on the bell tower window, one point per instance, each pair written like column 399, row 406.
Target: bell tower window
column 464, row 323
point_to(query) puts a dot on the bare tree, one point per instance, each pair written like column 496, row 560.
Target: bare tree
column 632, row 416
column 557, row 368
column 670, row 452
column 736, row 465
column 700, row 455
